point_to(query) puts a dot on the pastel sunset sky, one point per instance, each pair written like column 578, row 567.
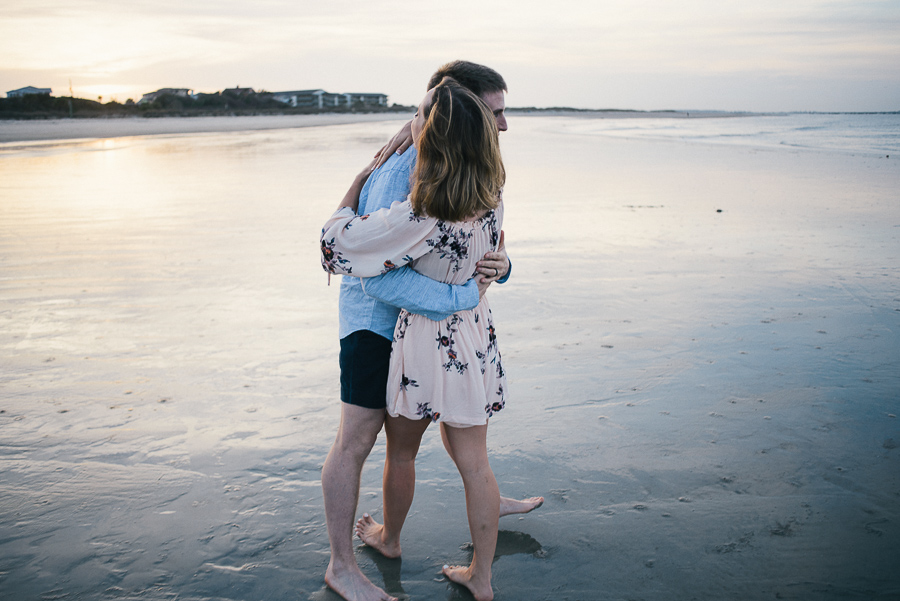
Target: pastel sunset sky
column 760, row 55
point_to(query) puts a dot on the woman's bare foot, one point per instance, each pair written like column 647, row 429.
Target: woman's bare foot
column 479, row 587
column 371, row 532
column 509, row 506
column 352, row 585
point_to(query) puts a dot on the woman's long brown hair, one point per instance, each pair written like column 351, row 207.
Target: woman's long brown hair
column 459, row 171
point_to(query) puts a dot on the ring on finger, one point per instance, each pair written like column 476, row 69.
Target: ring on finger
column 496, row 273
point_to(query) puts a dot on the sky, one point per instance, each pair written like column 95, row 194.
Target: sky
column 748, row 55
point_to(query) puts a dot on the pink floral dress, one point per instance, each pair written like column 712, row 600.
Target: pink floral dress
column 447, row 371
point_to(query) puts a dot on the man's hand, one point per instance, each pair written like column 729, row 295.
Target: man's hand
column 493, row 266
column 399, row 143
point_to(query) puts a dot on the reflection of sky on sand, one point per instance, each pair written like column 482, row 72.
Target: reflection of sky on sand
column 698, row 394
column 629, row 243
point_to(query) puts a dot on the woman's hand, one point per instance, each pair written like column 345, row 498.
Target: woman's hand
column 399, row 143
column 494, row 265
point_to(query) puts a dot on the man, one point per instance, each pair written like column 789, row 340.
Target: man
column 368, row 313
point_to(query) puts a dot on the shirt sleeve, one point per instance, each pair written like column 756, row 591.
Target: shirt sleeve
column 410, row 290
column 376, row 243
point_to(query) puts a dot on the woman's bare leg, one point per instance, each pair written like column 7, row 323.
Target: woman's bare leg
column 398, row 485
column 468, row 449
column 508, row 506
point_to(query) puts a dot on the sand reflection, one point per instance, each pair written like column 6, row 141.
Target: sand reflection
column 702, row 344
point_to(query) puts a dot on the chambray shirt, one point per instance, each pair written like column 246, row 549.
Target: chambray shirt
column 374, row 303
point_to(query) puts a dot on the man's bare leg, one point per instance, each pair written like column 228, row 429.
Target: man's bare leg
column 341, row 474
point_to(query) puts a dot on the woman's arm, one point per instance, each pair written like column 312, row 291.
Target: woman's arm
column 399, row 144
column 351, row 198
column 373, row 244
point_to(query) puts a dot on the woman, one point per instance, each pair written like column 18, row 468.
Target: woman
column 450, row 371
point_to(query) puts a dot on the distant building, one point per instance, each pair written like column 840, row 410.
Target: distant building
column 302, row 98
column 330, row 99
column 366, row 99
column 28, row 90
column 238, row 91
column 320, row 99
column 181, row 92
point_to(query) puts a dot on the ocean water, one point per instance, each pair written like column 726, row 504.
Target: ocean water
column 855, row 133
column 701, row 335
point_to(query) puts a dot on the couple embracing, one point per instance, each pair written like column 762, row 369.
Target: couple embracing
column 420, row 237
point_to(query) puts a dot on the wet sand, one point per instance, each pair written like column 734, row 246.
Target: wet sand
column 703, row 346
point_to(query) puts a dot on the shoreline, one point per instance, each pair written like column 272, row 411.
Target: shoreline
column 15, row 131
column 629, row 114
column 97, row 128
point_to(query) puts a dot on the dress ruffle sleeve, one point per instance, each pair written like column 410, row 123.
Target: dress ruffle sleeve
column 373, row 244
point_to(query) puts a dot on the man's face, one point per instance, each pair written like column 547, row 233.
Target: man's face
column 497, row 104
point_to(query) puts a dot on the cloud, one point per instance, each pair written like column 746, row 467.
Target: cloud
column 346, row 43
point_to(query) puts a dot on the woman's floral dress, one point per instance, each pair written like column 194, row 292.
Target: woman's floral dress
column 447, row 371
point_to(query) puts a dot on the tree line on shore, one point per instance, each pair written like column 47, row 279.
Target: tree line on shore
column 228, row 102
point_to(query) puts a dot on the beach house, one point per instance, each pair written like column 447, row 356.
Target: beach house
column 238, row 91
column 28, row 90
column 181, row 92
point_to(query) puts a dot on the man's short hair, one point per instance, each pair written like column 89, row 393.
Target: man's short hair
column 479, row 79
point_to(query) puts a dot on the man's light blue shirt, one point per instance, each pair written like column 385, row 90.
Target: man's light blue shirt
column 374, row 303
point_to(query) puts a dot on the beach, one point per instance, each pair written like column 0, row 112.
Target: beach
column 702, row 342
column 69, row 129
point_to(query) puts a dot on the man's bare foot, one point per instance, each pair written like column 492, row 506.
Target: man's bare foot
column 479, row 588
column 352, row 585
column 509, row 506
column 371, row 532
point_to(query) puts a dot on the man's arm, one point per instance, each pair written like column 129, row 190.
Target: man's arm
column 410, row 290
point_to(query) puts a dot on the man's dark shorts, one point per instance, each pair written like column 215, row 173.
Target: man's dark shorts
column 365, row 360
